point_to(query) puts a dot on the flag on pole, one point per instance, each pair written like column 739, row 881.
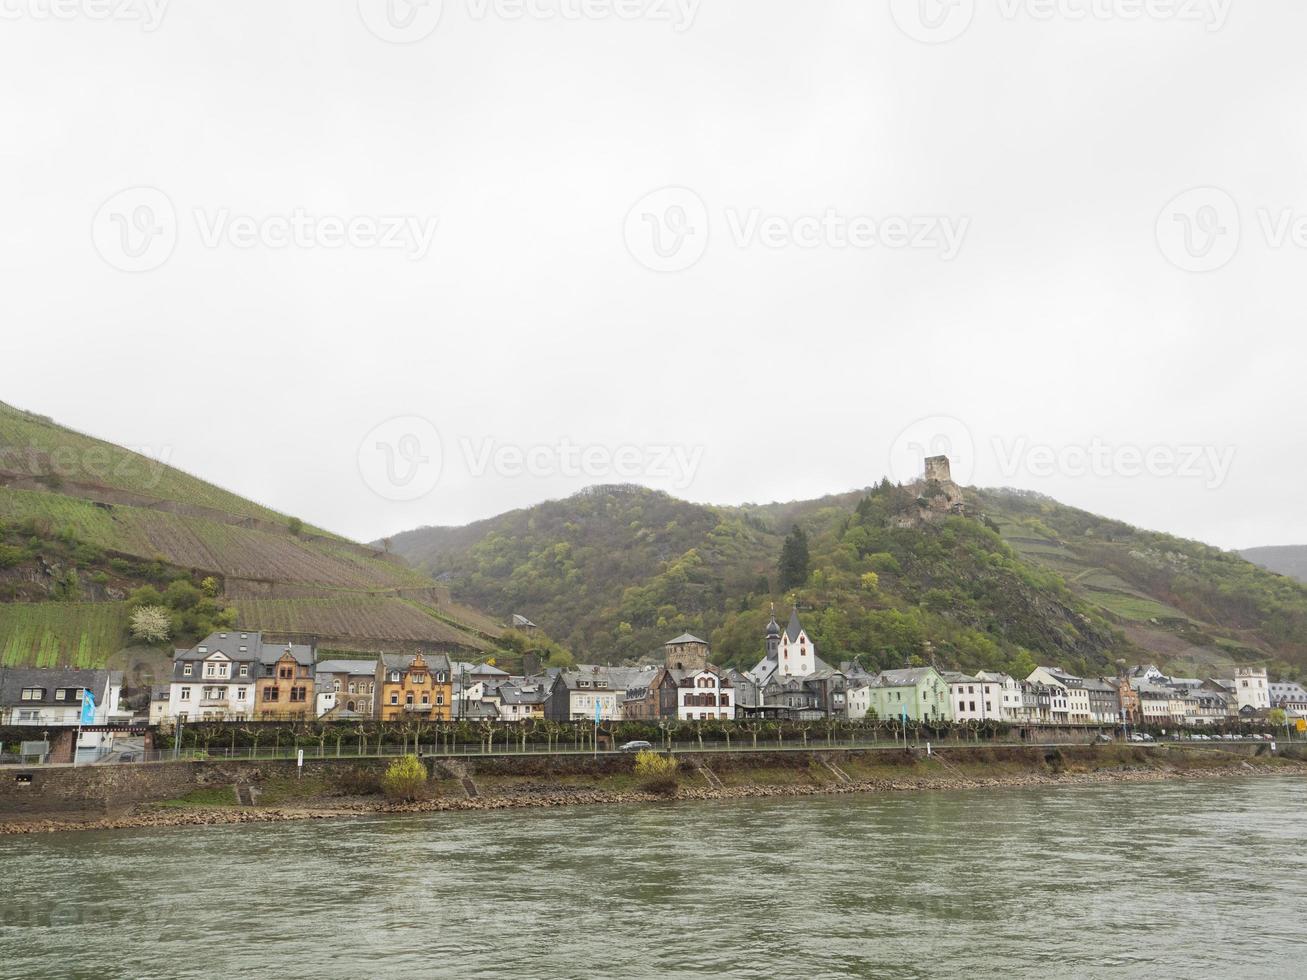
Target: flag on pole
column 597, row 706
column 88, row 708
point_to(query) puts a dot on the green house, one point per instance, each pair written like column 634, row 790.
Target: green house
column 916, row 693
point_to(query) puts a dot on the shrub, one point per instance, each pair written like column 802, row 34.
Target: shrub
column 405, row 779
column 657, row 773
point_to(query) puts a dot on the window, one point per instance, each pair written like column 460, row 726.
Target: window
column 245, row 670
column 440, row 699
column 271, row 694
column 186, row 670
column 185, row 694
column 426, row 698
column 240, row 694
column 286, row 673
column 33, row 694
column 299, row 693
column 394, row 697
column 60, row 694
column 408, row 699
column 394, row 677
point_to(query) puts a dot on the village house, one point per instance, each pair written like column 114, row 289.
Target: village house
column 52, row 698
column 704, row 694
column 1009, row 700
column 215, row 679
column 1073, row 707
column 1288, row 695
column 1154, row 704
column 974, row 698
column 1128, row 697
column 414, row 687
column 913, row 694
column 523, row 699
column 284, row 687
column 346, row 689
column 587, row 688
column 1104, row 702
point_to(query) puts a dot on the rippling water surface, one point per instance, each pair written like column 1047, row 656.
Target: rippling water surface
column 1172, row 879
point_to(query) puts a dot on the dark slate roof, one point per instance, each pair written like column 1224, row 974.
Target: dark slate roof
column 14, row 679
column 907, row 677
column 794, row 629
column 686, row 638
column 229, row 644
column 270, row 653
column 368, row 667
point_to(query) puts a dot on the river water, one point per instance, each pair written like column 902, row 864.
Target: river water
column 1193, row 879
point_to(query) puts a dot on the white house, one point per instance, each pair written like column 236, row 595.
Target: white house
column 52, row 698
column 215, row 680
column 976, row 698
column 704, row 695
column 587, row 688
column 858, row 700
column 1009, row 703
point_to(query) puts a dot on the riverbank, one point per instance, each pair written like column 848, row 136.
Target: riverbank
column 497, row 786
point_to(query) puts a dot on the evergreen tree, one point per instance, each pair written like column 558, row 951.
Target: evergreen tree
column 794, row 559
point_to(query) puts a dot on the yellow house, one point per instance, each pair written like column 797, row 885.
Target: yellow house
column 413, row 687
column 283, row 690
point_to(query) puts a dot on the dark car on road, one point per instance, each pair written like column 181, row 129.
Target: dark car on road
column 636, row 746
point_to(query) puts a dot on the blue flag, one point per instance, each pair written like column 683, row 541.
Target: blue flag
column 596, row 711
column 88, row 708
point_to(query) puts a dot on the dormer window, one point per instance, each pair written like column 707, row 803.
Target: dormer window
column 394, row 677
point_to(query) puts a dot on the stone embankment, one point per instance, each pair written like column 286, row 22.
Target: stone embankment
column 149, row 816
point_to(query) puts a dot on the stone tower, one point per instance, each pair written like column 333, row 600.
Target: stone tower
column 937, row 469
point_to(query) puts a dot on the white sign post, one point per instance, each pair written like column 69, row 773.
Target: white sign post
column 299, row 764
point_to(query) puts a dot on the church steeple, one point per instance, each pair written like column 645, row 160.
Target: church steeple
column 773, row 635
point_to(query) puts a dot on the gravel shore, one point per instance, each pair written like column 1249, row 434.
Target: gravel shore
column 155, row 816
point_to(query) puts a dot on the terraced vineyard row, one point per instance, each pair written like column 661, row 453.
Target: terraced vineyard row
column 358, row 617
column 191, row 542
column 60, row 634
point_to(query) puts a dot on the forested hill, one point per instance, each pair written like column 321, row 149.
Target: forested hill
column 613, row 572
column 90, row 532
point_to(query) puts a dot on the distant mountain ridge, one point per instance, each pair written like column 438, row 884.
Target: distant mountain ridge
column 1288, row 560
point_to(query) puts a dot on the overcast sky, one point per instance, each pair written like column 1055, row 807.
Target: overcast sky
column 379, row 269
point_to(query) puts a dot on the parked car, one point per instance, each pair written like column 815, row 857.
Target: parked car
column 1141, row 737
column 636, row 746
column 1104, row 737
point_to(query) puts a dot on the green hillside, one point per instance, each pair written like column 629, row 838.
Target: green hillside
column 89, row 531
column 613, row 572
